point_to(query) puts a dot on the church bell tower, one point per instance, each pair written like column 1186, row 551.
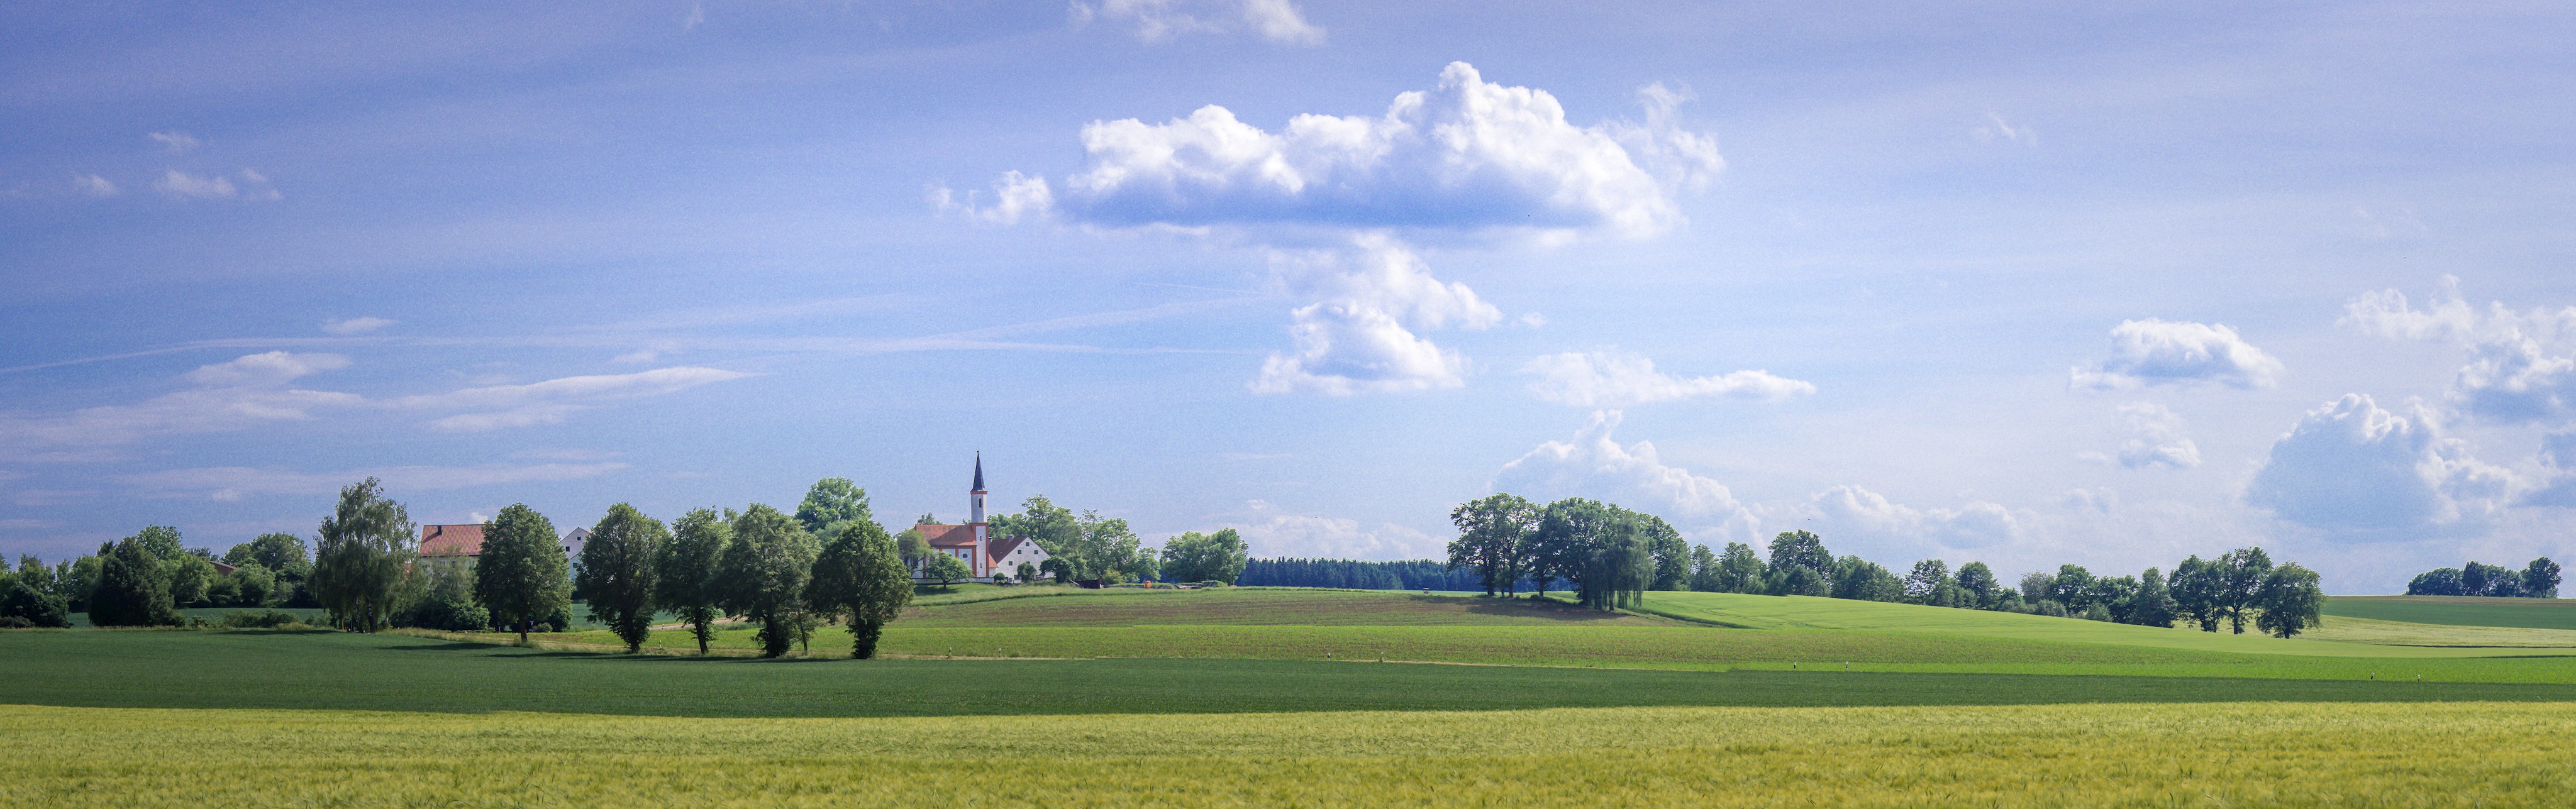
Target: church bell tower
column 982, row 563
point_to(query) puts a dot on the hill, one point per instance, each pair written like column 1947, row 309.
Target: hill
column 1803, row 612
column 2532, row 613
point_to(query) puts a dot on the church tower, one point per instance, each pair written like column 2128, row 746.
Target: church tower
column 975, row 517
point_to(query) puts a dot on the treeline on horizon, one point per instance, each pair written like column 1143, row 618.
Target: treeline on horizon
column 2536, row 580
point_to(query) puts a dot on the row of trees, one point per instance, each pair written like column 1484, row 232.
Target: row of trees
column 1353, row 574
column 1610, row 555
column 2536, row 580
column 269, row 571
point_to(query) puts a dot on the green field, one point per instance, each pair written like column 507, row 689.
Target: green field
column 2533, row 613
column 1099, row 697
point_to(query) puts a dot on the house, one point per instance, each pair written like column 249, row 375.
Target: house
column 972, row 542
column 461, row 544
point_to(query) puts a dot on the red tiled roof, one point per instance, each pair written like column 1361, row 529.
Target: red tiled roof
column 946, row 536
column 451, row 540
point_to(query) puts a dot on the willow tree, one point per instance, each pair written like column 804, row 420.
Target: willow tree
column 365, row 546
column 686, row 568
column 763, row 574
column 618, row 572
column 861, row 577
column 521, row 575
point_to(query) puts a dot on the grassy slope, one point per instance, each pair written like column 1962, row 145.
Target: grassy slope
column 2533, row 613
column 2399, row 633
column 326, row 670
column 1784, row 612
column 2238, row 754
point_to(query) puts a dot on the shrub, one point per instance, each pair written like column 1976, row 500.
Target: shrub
column 446, row 613
column 27, row 606
column 15, row 622
column 262, row 619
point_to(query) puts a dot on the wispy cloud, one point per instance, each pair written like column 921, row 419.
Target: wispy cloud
column 1613, row 379
column 174, row 141
column 355, row 325
column 547, row 402
column 228, row 483
column 94, row 186
column 1159, row 20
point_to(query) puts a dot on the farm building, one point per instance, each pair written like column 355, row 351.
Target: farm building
column 460, row 544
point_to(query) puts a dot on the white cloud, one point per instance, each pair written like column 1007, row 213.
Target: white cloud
column 1467, row 155
column 2159, row 352
column 2558, row 454
column 1360, row 337
column 2514, row 381
column 2155, row 439
column 2522, row 365
column 184, row 185
column 1270, row 533
column 1158, row 20
column 1871, row 520
column 1016, row 196
column 174, row 141
column 92, row 185
column 1996, row 129
column 356, row 325
column 2448, row 317
column 1610, row 379
column 1591, row 464
column 2356, row 471
column 229, row 396
column 230, row 483
column 547, row 402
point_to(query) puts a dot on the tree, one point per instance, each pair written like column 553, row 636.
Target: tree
column 618, row 572
column 1053, row 527
column 2200, row 592
column 1194, row 556
column 282, row 554
column 2111, row 595
column 1929, row 581
column 685, row 571
column 23, row 599
column 2035, row 587
column 522, row 576
column 1671, row 553
column 162, row 542
column 1799, row 549
column 359, row 561
column 2152, row 604
column 190, row 577
column 945, row 569
column 133, row 587
column 1029, row 573
column 1492, row 533
column 763, row 574
column 2244, row 570
column 832, row 500
column 2445, row 581
column 1977, row 585
column 77, row 580
column 2540, row 579
column 2290, row 600
column 861, row 577
column 1703, row 578
column 2071, row 587
column 1863, row 580
column 444, row 602
column 249, row 585
column 1739, row 570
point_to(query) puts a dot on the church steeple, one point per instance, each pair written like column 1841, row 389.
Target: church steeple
column 975, row 496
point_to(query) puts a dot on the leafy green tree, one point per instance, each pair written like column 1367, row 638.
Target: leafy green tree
column 133, row 587
column 1053, row 527
column 1977, row 585
column 249, row 585
column 832, row 500
column 1739, row 570
column 444, row 601
column 763, row 574
column 1799, row 549
column 617, row 571
column 44, row 580
column 2245, row 570
column 522, row 576
column 1671, row 553
column 280, row 553
column 162, row 542
column 861, row 577
column 913, row 546
column 2152, row 604
column 190, row 578
column 1602, row 549
column 685, row 571
column 2200, row 592
column 1492, row 534
column 2290, row 600
column 1704, row 571
column 944, row 569
column 1863, row 580
column 2112, row 594
column 2445, row 581
column 358, row 565
column 2072, row 587
column 2540, row 579
column 1194, row 556
column 24, row 600
column 76, row 580
column 1029, row 573
column 1929, row 583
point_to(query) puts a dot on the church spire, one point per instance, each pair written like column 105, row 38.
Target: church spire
column 979, row 472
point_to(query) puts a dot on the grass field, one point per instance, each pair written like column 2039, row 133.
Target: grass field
column 2533, row 613
column 2219, row 754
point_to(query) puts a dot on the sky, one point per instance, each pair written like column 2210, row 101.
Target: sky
column 2035, row 284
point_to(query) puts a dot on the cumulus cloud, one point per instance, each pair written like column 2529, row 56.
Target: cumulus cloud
column 1466, row 155
column 1612, row 379
column 92, row 185
column 355, row 325
column 2158, row 352
column 547, row 402
column 1592, row 464
column 2356, row 471
column 1870, row 518
column 1159, row 20
column 2522, row 364
column 2448, row 317
column 2515, row 381
column 2155, row 439
column 1269, row 532
column 229, row 483
column 1015, row 197
column 174, row 141
column 1360, row 336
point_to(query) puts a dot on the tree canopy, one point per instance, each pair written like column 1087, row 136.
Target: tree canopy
column 832, row 500
column 1194, row 556
column 763, row 574
column 358, row 564
column 685, row 571
column 861, row 577
column 618, row 572
column 522, row 576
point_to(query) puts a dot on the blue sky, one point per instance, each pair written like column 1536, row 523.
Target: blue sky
column 2013, row 282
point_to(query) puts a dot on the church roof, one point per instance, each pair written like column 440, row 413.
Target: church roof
column 979, row 473
column 946, row 536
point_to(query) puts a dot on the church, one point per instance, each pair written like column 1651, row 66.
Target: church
column 987, row 557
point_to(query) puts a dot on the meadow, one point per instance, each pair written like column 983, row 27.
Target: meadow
column 2533, row 613
column 2238, row 754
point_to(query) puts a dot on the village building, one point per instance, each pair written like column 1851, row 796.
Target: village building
column 461, row 544
column 986, row 556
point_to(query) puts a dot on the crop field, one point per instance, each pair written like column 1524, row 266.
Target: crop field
column 2533, row 613
column 2219, row 754
column 2399, row 633
column 1250, row 607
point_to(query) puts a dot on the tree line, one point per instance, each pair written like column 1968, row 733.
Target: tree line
column 150, row 576
column 1353, row 574
column 1610, row 555
column 2536, row 580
